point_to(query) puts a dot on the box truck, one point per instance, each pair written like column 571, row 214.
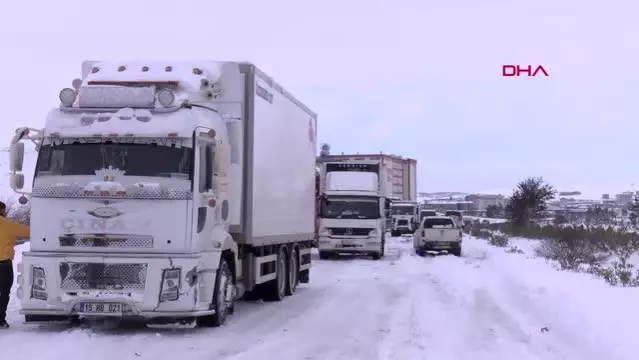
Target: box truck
column 352, row 209
column 163, row 192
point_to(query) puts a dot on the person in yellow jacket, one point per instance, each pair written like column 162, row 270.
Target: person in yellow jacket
column 9, row 232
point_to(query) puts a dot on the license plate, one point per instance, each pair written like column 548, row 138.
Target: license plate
column 102, row 308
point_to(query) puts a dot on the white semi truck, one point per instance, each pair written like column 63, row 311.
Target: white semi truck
column 163, row 192
column 404, row 217
column 352, row 207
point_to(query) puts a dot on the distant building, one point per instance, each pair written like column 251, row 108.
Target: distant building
column 605, row 197
column 482, row 201
column 443, row 205
column 624, row 198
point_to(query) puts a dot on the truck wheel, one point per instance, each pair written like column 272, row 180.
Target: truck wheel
column 377, row 256
column 456, row 250
column 275, row 290
column 293, row 272
column 221, row 304
column 324, row 255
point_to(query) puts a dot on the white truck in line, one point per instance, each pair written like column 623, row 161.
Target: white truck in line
column 404, row 217
column 163, row 192
column 352, row 207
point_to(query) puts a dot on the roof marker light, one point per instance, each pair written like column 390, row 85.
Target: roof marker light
column 126, row 114
column 67, row 97
column 76, row 83
column 121, row 68
column 145, row 68
column 166, row 97
column 143, row 115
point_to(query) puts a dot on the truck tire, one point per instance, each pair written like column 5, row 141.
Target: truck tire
column 377, row 256
column 324, row 255
column 222, row 308
column 292, row 280
column 275, row 290
column 456, row 250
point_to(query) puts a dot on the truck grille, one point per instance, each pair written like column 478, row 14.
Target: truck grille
column 350, row 231
column 402, row 222
column 99, row 276
column 106, row 241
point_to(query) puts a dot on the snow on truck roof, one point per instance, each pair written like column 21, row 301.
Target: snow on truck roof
column 190, row 73
column 187, row 71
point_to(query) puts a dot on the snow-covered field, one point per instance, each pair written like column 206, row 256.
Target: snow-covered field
column 489, row 304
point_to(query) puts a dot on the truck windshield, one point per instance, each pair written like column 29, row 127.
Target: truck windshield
column 135, row 159
column 453, row 213
column 354, row 208
column 402, row 210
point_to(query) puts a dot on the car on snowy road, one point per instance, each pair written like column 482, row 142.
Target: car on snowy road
column 437, row 233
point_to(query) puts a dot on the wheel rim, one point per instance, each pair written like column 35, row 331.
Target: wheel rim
column 281, row 274
column 292, row 276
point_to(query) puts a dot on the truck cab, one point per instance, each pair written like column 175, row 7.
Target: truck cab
column 404, row 217
column 142, row 202
column 457, row 216
column 351, row 211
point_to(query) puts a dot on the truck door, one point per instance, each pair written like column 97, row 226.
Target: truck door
column 204, row 199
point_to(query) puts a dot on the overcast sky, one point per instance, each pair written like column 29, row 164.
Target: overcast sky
column 417, row 78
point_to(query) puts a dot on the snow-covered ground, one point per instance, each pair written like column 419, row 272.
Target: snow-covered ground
column 488, row 304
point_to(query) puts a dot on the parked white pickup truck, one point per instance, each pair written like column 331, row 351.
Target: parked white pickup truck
column 437, row 233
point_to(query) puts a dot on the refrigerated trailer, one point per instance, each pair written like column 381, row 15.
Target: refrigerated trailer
column 163, row 192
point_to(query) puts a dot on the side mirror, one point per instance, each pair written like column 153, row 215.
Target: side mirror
column 22, row 200
column 17, row 181
column 16, row 156
column 387, row 204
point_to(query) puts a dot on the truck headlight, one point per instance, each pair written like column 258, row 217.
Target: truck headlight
column 373, row 232
column 170, row 290
column 38, row 284
column 325, row 232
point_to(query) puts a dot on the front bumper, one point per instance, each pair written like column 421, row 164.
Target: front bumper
column 350, row 245
column 129, row 293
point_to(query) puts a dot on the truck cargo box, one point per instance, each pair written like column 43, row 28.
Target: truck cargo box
column 277, row 164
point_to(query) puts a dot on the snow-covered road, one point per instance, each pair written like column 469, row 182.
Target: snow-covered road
column 486, row 305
